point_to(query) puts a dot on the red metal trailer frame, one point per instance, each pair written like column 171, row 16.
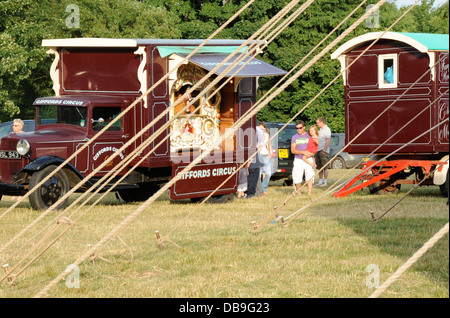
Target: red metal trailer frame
column 388, row 174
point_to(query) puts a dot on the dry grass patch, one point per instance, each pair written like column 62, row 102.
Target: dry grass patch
column 323, row 253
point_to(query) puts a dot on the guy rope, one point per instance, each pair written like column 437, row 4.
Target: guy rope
column 215, row 33
column 410, row 262
column 293, row 215
column 376, row 219
column 227, row 134
column 268, row 24
column 293, row 3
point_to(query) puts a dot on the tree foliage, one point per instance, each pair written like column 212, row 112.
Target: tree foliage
column 24, row 23
column 24, row 65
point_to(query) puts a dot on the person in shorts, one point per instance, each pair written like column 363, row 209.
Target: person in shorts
column 299, row 143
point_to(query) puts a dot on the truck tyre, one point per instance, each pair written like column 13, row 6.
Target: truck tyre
column 382, row 189
column 140, row 194
column 50, row 192
column 338, row 163
column 443, row 187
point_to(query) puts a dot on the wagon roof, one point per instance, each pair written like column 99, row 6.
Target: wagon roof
column 423, row 42
column 130, row 43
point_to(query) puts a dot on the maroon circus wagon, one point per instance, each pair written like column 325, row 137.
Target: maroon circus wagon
column 403, row 79
column 95, row 80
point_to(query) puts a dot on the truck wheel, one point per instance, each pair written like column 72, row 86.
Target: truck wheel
column 443, row 187
column 384, row 188
column 140, row 194
column 338, row 163
column 50, row 192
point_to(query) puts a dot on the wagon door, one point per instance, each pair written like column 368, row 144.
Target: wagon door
column 109, row 142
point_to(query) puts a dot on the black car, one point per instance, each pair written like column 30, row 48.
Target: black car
column 344, row 160
column 282, row 158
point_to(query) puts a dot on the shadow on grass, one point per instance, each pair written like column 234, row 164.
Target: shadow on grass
column 402, row 237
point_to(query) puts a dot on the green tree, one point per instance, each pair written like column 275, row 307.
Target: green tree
column 24, row 65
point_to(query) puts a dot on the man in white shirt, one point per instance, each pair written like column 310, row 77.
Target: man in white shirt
column 323, row 151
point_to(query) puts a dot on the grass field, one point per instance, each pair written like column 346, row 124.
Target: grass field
column 325, row 252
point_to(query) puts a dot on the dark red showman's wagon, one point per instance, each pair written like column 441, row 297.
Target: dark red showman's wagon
column 396, row 104
column 95, row 80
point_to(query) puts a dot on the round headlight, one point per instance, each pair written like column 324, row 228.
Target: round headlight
column 23, row 147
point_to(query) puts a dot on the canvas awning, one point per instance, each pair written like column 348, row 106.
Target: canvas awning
column 210, row 57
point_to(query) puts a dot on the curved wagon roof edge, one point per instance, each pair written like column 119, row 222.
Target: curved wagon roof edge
column 423, row 42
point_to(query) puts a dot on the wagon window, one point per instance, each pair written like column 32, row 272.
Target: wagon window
column 102, row 116
column 387, row 71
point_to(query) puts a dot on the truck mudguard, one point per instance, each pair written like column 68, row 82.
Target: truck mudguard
column 42, row 162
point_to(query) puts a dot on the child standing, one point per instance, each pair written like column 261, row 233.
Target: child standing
column 242, row 187
column 312, row 146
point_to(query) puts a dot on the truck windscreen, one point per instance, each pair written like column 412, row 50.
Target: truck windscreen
column 57, row 114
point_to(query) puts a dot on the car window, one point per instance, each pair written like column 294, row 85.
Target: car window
column 4, row 130
column 334, row 141
column 28, row 127
column 286, row 134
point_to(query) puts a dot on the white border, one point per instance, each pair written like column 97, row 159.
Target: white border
column 89, row 42
column 206, row 191
column 167, row 131
column 347, row 121
column 349, row 45
column 380, row 69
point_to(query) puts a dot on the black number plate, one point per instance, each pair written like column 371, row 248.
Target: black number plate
column 9, row 154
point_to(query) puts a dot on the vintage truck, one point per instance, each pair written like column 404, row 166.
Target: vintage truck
column 404, row 77
column 94, row 81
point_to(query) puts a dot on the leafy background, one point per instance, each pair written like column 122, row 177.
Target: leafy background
column 24, row 65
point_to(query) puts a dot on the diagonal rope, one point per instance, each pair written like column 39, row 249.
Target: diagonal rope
column 270, row 217
column 258, row 106
column 389, row 138
column 262, row 98
column 376, row 219
column 112, row 122
column 295, row 214
column 279, row 17
column 161, row 80
column 268, row 24
column 411, row 261
column 227, row 134
column 333, row 188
